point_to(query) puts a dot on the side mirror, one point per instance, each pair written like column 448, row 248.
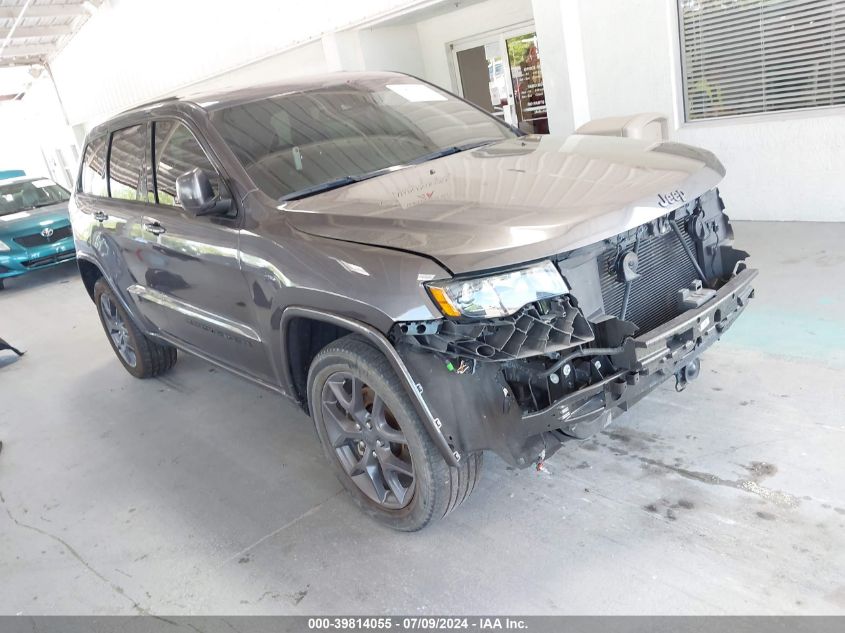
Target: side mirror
column 196, row 195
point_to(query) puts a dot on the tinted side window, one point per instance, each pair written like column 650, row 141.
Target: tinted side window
column 126, row 162
column 176, row 152
column 94, row 168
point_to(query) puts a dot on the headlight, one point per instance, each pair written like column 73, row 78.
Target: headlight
column 4, row 246
column 498, row 295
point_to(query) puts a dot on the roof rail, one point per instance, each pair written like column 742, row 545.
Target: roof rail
column 150, row 103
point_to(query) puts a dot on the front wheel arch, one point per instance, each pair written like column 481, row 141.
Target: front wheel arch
column 90, row 273
column 377, row 340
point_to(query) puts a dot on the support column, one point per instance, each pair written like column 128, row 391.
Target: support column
column 558, row 24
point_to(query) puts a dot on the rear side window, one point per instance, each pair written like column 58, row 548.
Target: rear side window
column 176, row 152
column 126, row 163
column 93, row 179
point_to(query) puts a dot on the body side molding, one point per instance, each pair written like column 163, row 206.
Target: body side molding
column 182, row 307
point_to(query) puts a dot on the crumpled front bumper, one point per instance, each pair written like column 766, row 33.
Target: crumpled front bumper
column 477, row 410
column 645, row 362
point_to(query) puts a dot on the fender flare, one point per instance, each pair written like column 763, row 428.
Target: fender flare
column 380, row 342
column 130, row 309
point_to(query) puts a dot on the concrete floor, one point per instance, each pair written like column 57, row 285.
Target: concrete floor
column 201, row 493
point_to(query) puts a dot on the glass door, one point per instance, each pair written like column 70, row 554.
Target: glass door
column 501, row 73
column 484, row 79
column 527, row 78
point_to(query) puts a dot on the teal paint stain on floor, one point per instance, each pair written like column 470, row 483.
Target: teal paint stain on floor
column 795, row 335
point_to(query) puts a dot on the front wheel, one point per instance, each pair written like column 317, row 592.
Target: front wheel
column 375, row 440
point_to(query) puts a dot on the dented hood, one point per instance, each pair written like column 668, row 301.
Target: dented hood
column 514, row 201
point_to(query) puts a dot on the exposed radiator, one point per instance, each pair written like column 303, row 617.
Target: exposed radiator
column 664, row 268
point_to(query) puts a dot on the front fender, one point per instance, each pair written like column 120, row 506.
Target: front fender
column 380, row 342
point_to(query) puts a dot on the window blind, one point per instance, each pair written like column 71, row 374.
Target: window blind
column 753, row 56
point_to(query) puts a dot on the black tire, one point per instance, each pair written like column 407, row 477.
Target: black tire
column 436, row 488
column 148, row 358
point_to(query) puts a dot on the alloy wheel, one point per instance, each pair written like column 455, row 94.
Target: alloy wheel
column 117, row 330
column 367, row 440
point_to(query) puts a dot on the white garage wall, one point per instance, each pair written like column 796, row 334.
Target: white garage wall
column 780, row 166
column 132, row 51
column 305, row 59
column 18, row 151
column 392, row 48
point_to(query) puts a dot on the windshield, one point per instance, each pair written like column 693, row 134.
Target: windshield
column 292, row 144
column 30, row 194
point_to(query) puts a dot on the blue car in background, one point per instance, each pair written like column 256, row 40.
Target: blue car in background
column 35, row 230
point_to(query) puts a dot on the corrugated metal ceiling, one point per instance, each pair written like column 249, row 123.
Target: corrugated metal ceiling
column 32, row 32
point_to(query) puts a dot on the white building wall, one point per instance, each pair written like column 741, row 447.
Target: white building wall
column 304, row 59
column 393, row 48
column 132, row 51
column 779, row 167
column 18, row 149
column 784, row 166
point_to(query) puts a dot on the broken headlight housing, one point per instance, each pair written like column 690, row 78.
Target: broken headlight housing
column 498, row 295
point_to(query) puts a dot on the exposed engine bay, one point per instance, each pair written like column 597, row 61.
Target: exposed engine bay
column 642, row 307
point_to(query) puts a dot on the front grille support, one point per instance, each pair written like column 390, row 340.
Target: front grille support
column 689, row 253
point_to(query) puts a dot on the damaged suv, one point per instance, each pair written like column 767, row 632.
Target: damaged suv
column 428, row 282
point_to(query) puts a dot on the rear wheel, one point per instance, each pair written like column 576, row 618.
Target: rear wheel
column 374, row 438
column 141, row 356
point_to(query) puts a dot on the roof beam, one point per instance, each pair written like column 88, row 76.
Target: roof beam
column 15, row 24
column 21, row 61
column 43, row 11
column 37, row 31
column 36, row 50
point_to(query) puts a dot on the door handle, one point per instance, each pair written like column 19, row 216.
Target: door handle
column 100, row 216
column 153, row 226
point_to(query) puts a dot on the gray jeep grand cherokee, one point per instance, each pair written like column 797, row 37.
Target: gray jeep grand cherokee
column 426, row 281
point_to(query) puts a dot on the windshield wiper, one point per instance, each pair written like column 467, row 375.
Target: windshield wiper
column 448, row 151
column 335, row 183
column 319, row 188
column 342, row 181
